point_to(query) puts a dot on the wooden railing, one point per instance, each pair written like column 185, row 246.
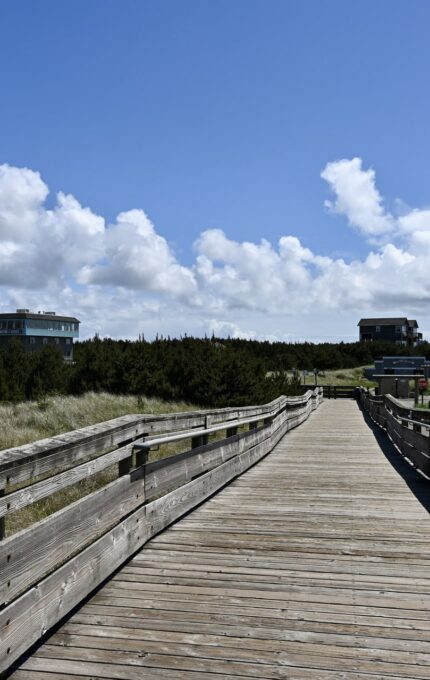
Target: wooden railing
column 49, row 567
column 339, row 392
column 408, row 428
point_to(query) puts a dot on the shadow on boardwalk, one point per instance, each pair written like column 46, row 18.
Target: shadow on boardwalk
column 419, row 485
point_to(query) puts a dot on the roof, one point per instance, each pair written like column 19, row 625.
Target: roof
column 395, row 321
column 32, row 315
column 401, row 358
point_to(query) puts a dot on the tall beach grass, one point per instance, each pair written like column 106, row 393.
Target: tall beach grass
column 32, row 420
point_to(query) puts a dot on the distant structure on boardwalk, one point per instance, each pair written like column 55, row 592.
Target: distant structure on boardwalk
column 36, row 330
column 399, row 366
column 399, row 330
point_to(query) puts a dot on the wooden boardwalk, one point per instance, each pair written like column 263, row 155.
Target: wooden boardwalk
column 313, row 564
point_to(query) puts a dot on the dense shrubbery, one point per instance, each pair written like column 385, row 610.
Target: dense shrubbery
column 208, row 372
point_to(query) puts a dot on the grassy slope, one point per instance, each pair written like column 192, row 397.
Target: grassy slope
column 29, row 421
column 345, row 376
column 341, row 376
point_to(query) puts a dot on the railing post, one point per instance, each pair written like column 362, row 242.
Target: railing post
column 124, row 466
column 231, row 431
column 199, row 440
column 141, row 460
column 2, row 519
column 142, row 456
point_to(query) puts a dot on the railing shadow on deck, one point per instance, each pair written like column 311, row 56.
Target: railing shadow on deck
column 398, row 456
column 49, row 568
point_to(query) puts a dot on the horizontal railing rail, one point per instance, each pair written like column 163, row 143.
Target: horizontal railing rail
column 339, row 391
column 48, row 567
column 30, row 460
column 409, row 434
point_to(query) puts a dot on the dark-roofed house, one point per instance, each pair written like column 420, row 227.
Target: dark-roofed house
column 400, row 330
column 35, row 331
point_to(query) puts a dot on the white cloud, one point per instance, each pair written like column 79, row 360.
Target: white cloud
column 357, row 196
column 227, row 329
column 250, row 275
column 22, row 192
column 124, row 278
column 139, row 258
column 415, row 220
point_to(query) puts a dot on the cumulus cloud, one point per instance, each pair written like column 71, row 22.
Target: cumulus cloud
column 358, row 199
column 40, row 247
column 251, row 275
column 68, row 258
column 137, row 257
column 414, row 221
column 228, row 329
column 22, row 192
column 357, row 196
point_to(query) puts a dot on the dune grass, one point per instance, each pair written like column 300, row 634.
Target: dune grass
column 341, row 376
column 30, row 421
column 346, row 376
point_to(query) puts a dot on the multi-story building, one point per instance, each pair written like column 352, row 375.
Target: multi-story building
column 36, row 330
column 400, row 330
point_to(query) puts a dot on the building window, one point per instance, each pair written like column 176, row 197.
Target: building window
column 32, row 340
column 45, row 341
column 378, row 329
column 57, row 341
column 67, row 341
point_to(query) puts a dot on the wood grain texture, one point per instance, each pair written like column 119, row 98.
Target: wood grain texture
column 313, row 564
column 25, row 619
column 410, row 436
column 30, row 460
column 52, row 541
column 26, row 557
column 20, row 499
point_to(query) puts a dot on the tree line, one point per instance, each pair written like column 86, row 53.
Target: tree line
column 203, row 371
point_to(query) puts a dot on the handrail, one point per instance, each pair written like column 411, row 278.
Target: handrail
column 49, row 567
column 147, row 443
column 411, row 442
column 228, row 424
column 414, row 422
column 27, row 461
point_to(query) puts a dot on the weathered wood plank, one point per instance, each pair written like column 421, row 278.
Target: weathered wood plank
column 30, row 460
column 307, row 566
column 39, row 608
column 29, row 555
column 20, row 499
column 53, row 540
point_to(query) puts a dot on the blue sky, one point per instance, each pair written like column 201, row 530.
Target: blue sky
column 217, row 116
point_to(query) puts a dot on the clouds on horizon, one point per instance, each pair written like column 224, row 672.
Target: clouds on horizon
column 70, row 259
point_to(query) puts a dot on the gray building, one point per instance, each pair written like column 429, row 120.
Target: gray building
column 36, row 330
column 399, row 366
column 400, row 330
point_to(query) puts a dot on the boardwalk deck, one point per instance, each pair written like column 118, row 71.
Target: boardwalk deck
column 313, row 564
